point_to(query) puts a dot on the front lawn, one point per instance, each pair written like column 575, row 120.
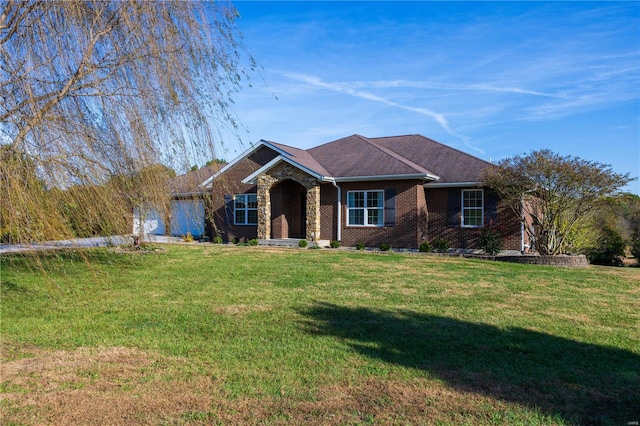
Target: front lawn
column 211, row 334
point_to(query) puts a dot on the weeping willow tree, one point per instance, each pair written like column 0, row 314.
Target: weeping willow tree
column 96, row 94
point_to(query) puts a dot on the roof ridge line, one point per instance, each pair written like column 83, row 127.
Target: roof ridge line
column 397, row 156
column 439, row 143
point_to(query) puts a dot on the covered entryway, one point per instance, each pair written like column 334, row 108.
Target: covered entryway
column 288, row 210
column 288, row 204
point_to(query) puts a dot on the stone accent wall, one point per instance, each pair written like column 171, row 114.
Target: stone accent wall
column 284, row 171
column 575, row 261
column 265, row 182
column 313, row 213
column 279, row 173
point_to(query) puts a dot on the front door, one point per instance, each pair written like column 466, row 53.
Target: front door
column 288, row 210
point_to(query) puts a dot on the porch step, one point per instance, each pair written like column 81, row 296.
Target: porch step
column 291, row 242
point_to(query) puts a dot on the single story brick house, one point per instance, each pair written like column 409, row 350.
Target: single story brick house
column 399, row 190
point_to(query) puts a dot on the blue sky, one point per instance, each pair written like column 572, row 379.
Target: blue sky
column 493, row 79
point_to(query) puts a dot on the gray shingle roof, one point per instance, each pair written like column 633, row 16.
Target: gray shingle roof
column 302, row 157
column 449, row 163
column 410, row 156
column 356, row 155
column 189, row 182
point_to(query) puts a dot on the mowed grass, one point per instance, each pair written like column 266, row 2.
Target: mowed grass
column 209, row 334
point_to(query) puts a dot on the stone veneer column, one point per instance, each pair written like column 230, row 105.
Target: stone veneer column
column 313, row 213
column 265, row 182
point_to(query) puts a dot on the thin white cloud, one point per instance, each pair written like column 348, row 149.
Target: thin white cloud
column 447, row 86
column 348, row 89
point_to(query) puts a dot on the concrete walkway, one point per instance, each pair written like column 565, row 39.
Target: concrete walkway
column 85, row 242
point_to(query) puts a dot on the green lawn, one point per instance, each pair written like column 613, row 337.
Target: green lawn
column 211, row 334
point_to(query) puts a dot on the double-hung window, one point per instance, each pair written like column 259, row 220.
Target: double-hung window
column 472, row 207
column 365, row 208
column 245, row 209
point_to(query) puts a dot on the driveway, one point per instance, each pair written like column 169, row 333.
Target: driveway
column 85, row 242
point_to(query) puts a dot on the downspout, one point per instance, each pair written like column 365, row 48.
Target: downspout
column 339, row 234
column 522, row 220
column 522, row 225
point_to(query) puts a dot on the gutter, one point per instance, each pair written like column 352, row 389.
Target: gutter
column 198, row 194
column 421, row 176
column 339, row 233
column 522, row 219
column 452, row 184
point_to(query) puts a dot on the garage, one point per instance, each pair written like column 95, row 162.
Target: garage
column 187, row 217
column 151, row 222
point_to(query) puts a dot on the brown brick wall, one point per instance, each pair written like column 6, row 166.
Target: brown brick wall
column 408, row 220
column 422, row 223
column 328, row 208
column 467, row 238
column 231, row 183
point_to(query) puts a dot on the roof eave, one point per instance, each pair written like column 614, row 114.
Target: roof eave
column 452, row 184
column 253, row 148
column 252, row 178
column 186, row 194
column 420, row 176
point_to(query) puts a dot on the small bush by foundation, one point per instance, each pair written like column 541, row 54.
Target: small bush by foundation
column 425, row 247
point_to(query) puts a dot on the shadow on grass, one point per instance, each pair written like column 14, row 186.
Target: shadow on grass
column 582, row 383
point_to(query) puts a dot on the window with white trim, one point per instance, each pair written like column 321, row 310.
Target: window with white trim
column 365, row 208
column 245, row 209
column 472, row 207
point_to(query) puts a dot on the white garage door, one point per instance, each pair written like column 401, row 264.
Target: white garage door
column 152, row 223
column 187, row 216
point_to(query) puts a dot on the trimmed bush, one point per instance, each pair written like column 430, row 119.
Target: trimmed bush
column 359, row 246
column 440, row 245
column 491, row 241
column 217, row 239
column 384, row 247
column 334, row 244
column 253, row 242
column 302, row 243
column 425, row 247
